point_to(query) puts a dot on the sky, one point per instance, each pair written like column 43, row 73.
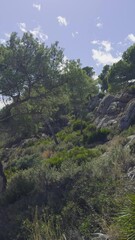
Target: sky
column 95, row 31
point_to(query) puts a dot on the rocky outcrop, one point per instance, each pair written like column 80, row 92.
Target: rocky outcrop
column 128, row 115
column 115, row 111
column 104, row 104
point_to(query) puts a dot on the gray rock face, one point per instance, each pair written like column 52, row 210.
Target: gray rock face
column 104, row 104
column 113, row 108
column 126, row 97
column 94, row 103
column 115, row 111
column 128, row 116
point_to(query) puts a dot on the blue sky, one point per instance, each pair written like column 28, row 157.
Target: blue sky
column 95, row 31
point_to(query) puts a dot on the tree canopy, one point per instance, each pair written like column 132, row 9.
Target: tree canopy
column 123, row 71
column 38, row 81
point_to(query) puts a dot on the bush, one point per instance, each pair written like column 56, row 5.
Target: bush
column 76, row 154
column 26, row 162
column 126, row 220
column 21, row 184
column 96, row 135
column 79, row 125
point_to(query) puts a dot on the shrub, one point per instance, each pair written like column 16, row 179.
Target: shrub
column 96, row 135
column 26, row 162
column 126, row 219
column 21, row 184
column 79, row 125
column 44, row 226
column 76, row 154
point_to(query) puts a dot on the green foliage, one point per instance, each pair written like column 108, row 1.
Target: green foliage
column 126, row 219
column 79, row 125
column 93, row 135
column 103, row 78
column 123, row 71
column 74, row 188
column 89, row 71
column 76, row 154
column 129, row 55
column 44, row 226
column 29, row 65
column 80, row 86
column 26, row 162
column 20, row 185
column 118, row 76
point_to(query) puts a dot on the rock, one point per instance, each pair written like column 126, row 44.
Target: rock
column 94, row 102
column 125, row 97
column 104, row 104
column 131, row 141
column 131, row 173
column 100, row 236
column 128, row 116
column 113, row 108
column 106, row 121
column 114, row 111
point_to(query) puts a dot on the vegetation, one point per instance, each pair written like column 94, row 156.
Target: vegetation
column 64, row 178
column 117, row 77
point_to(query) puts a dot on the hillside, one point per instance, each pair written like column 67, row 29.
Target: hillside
column 70, row 190
column 67, row 151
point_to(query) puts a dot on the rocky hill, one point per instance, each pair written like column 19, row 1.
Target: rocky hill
column 78, row 188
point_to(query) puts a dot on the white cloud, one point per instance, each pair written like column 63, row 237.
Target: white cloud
column 99, row 25
column 39, row 34
column 131, row 37
column 95, row 42
column 74, row 34
column 22, row 27
column 104, row 45
column 2, row 41
column 103, row 57
column 62, row 21
column 37, row 6
column 107, row 45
